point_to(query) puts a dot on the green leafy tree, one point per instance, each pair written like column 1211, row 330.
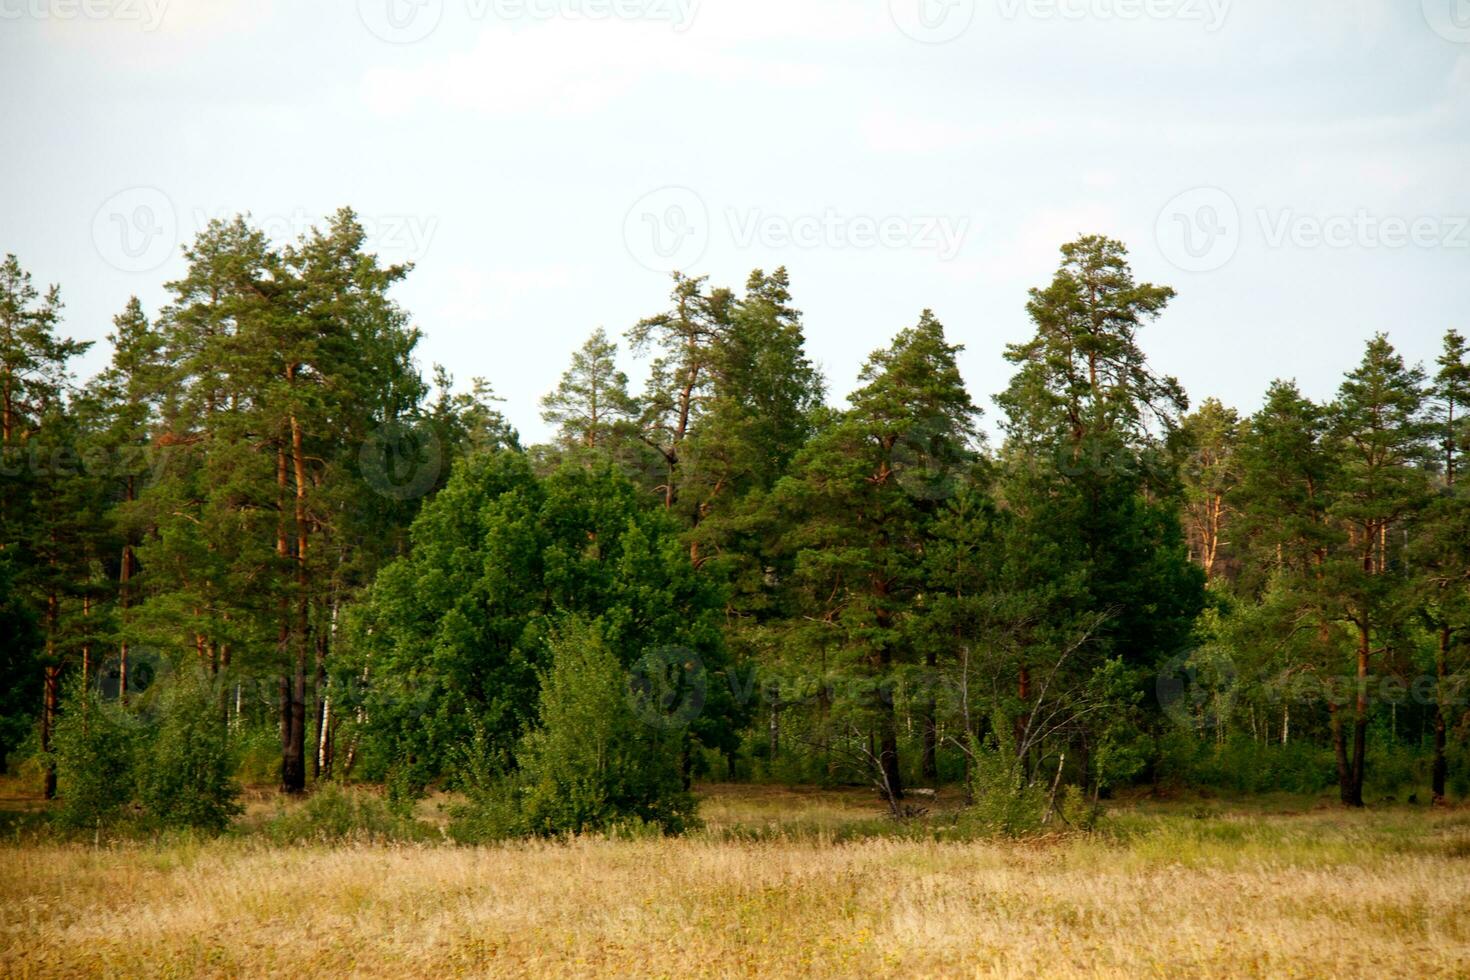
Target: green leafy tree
column 453, row 635
column 186, row 764
column 95, row 757
column 592, row 763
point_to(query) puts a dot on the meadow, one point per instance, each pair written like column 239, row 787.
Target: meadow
column 777, row 882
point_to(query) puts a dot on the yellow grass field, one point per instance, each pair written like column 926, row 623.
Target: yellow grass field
column 773, row 886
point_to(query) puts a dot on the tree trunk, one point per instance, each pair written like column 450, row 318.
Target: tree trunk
column 48, row 725
column 887, row 710
column 931, row 720
column 1441, row 670
column 51, row 678
column 293, row 756
column 124, row 599
column 774, row 731
column 1023, row 720
column 1339, row 747
column 1360, row 720
column 319, row 712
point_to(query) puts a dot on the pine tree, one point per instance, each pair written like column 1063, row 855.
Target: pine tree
column 859, row 502
column 1380, row 428
column 1210, row 475
column 687, row 340
column 125, row 399
column 1441, row 551
column 591, row 407
column 1083, row 376
column 44, row 512
column 1086, row 416
column 763, row 408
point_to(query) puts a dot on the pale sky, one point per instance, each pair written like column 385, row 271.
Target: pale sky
column 1299, row 170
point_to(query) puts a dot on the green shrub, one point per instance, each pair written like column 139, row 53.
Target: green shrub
column 334, row 815
column 186, row 766
column 1244, row 765
column 1004, row 802
column 257, row 750
column 493, row 813
column 593, row 764
column 94, row 747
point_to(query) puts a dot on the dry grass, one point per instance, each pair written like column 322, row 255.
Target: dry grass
column 1313, row 893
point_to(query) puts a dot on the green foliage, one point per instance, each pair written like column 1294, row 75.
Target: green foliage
column 336, row 815
column 20, row 665
column 186, row 764
column 593, row 763
column 1006, row 802
column 95, row 749
column 1244, row 765
column 857, row 589
column 452, row 637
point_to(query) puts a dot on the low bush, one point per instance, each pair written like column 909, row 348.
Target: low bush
column 334, row 815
